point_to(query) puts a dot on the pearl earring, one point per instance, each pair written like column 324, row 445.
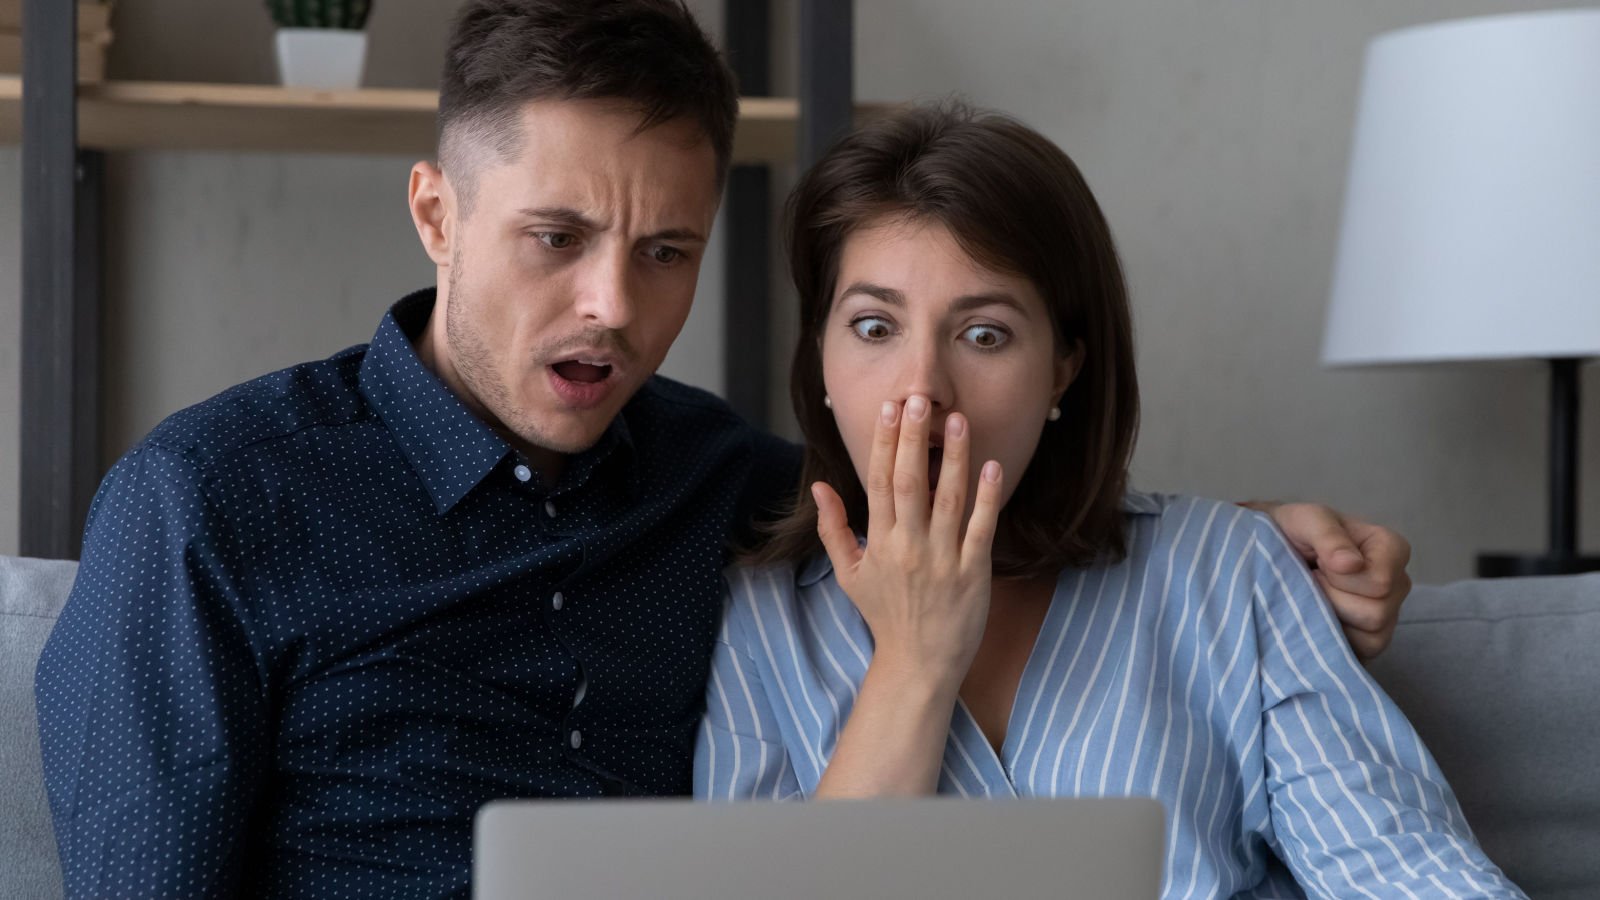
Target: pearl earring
column 827, row 401
column 1054, row 414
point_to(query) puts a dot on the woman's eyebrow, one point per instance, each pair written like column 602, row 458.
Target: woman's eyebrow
column 886, row 294
column 968, row 302
column 961, row 304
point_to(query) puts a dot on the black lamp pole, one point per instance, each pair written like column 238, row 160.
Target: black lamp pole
column 1563, row 558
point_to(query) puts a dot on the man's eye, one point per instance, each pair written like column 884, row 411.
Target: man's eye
column 556, row 240
column 666, row 255
column 986, row 337
column 870, row 328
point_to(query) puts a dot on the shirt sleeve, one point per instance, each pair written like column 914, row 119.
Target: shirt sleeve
column 1359, row 808
column 740, row 754
column 152, row 719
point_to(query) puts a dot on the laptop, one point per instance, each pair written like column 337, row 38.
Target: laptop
column 926, row 848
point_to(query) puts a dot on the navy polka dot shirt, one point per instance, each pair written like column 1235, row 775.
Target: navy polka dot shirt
column 327, row 614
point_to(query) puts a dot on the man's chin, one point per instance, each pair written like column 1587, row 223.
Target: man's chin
column 565, row 431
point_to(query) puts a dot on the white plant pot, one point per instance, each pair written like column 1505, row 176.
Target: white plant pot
column 326, row 58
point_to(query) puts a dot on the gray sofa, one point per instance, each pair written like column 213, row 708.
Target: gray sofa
column 1501, row 677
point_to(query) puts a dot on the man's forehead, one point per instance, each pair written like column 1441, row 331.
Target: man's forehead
column 608, row 124
column 587, row 158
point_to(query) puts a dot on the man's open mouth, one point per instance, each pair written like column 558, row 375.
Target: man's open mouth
column 583, row 372
column 584, row 382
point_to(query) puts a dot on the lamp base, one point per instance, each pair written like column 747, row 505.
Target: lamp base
column 1494, row 565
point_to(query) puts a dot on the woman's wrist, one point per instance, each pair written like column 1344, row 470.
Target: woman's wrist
column 914, row 678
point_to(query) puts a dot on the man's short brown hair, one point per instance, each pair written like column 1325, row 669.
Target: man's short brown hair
column 650, row 54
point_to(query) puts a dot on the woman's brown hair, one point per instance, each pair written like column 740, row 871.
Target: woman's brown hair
column 1016, row 204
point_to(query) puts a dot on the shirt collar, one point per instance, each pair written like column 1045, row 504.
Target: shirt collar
column 450, row 448
column 1134, row 503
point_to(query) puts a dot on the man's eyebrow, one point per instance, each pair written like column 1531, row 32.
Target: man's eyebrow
column 561, row 215
column 681, row 235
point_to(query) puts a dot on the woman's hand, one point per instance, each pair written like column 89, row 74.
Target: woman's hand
column 922, row 582
column 922, row 585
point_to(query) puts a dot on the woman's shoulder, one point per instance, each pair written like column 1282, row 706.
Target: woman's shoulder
column 1196, row 532
column 757, row 580
column 1191, row 516
column 759, row 590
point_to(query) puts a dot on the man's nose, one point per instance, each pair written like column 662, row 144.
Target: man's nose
column 606, row 295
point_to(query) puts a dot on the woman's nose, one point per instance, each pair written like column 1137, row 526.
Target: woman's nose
column 926, row 374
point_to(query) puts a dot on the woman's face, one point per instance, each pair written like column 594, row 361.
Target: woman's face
column 914, row 314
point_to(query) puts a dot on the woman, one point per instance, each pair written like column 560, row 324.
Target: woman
column 971, row 601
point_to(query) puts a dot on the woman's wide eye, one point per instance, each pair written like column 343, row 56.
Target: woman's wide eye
column 986, row 337
column 870, row 328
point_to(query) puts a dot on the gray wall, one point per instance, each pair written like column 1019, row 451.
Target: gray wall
column 1215, row 135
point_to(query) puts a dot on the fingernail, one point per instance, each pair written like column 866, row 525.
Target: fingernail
column 991, row 471
column 916, row 407
column 955, row 426
column 816, row 492
column 888, row 412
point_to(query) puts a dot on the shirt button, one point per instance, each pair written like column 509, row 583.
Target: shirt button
column 523, row 473
column 556, row 601
column 576, row 739
column 550, row 508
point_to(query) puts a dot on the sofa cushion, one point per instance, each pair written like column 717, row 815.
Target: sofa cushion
column 31, row 594
column 1502, row 679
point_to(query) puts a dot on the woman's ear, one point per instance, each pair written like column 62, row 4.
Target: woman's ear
column 433, row 211
column 1068, row 365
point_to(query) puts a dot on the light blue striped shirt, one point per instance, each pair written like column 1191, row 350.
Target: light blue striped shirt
column 1204, row 670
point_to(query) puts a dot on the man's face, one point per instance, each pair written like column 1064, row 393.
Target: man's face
column 574, row 271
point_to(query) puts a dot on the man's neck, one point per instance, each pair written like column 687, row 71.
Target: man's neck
column 548, row 463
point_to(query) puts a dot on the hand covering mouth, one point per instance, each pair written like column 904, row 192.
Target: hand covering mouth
column 935, row 455
column 583, row 372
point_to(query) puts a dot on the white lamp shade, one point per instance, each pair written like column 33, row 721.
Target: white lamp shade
column 1472, row 211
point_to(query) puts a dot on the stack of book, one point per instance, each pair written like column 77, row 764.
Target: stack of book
column 94, row 38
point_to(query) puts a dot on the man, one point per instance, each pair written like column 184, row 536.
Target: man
column 325, row 615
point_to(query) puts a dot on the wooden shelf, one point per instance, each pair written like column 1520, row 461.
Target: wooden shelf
column 266, row 118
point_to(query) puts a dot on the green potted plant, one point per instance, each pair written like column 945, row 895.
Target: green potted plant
column 321, row 43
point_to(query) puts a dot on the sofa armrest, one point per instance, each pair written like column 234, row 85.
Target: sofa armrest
column 32, row 592
column 1502, row 679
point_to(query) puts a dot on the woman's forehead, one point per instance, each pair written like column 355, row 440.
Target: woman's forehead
column 921, row 262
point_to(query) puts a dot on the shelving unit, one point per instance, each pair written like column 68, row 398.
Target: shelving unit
column 65, row 131
column 267, row 118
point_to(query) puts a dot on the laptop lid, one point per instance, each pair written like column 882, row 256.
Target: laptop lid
column 926, row 848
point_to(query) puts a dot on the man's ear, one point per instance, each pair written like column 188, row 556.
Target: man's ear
column 1068, row 365
column 433, row 211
